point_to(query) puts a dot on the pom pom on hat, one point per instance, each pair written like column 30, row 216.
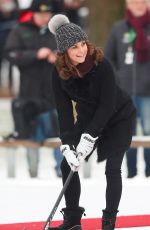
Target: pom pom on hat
column 66, row 33
column 57, row 21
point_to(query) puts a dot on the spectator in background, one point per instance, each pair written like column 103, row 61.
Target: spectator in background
column 71, row 8
column 8, row 19
column 128, row 48
column 31, row 47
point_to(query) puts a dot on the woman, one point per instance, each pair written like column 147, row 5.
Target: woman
column 105, row 118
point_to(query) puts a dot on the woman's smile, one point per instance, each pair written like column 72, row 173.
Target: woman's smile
column 77, row 53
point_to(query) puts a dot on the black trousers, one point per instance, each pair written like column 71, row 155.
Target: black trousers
column 113, row 188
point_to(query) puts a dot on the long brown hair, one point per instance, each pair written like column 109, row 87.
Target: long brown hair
column 64, row 66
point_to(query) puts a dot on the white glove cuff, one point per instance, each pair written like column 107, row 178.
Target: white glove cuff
column 64, row 148
column 89, row 138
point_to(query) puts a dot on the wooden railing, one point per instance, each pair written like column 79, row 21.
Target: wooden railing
column 140, row 141
column 137, row 141
column 11, row 145
column 51, row 142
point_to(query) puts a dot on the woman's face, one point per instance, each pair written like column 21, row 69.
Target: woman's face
column 77, row 53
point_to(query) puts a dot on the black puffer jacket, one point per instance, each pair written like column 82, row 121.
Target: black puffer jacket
column 103, row 110
column 35, row 75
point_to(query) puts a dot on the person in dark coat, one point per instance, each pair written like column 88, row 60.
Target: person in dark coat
column 105, row 117
column 128, row 48
column 8, row 20
column 31, row 47
column 73, row 10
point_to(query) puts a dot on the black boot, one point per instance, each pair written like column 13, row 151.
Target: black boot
column 72, row 218
column 108, row 220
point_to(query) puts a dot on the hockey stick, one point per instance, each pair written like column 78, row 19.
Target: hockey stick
column 50, row 217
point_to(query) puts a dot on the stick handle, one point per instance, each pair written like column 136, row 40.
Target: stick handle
column 51, row 215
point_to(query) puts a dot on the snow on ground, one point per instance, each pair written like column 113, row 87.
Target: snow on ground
column 25, row 200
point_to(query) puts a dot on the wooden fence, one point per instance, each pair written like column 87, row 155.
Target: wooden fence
column 11, row 145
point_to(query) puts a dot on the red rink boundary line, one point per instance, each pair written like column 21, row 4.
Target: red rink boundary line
column 87, row 224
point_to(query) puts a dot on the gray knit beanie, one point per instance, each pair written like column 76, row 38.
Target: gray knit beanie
column 66, row 33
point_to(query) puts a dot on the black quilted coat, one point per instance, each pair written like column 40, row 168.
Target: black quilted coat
column 103, row 110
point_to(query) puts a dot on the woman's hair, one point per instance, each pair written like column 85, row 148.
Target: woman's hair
column 66, row 69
